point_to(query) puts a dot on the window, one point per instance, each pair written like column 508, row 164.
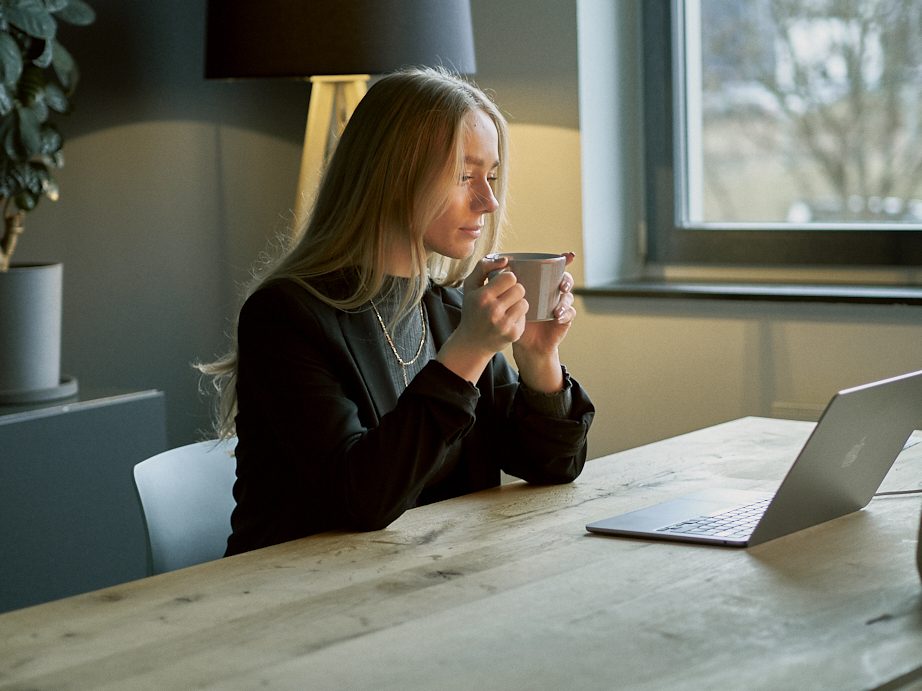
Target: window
column 783, row 132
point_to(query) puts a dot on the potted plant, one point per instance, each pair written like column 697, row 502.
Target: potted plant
column 37, row 79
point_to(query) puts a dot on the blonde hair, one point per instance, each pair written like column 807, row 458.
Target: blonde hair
column 386, row 182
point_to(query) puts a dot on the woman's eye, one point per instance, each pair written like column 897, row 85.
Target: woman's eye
column 467, row 177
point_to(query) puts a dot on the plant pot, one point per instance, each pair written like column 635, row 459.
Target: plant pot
column 30, row 335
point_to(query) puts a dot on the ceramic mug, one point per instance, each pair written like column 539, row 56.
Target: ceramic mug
column 540, row 274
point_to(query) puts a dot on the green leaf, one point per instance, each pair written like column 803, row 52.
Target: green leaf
column 5, row 127
column 28, row 179
column 56, row 98
column 10, row 59
column 64, row 66
column 47, row 187
column 44, row 60
column 10, row 145
column 40, row 108
column 51, row 140
column 55, row 5
column 51, row 190
column 6, row 100
column 26, row 201
column 31, row 17
column 76, row 12
column 30, row 137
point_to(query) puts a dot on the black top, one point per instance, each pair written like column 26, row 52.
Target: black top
column 325, row 441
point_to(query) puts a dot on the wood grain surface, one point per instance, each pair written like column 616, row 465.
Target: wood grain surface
column 504, row 589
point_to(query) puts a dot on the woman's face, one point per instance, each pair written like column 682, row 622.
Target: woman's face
column 454, row 234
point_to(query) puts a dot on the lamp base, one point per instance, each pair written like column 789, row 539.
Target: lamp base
column 330, row 95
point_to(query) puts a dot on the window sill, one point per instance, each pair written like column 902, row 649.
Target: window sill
column 776, row 292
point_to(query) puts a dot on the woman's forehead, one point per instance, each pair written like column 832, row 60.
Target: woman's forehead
column 481, row 139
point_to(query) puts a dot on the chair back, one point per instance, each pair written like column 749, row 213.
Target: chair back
column 186, row 500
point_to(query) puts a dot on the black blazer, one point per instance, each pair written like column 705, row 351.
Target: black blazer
column 324, row 441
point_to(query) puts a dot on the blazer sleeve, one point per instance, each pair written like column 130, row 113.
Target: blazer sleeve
column 526, row 442
column 541, row 448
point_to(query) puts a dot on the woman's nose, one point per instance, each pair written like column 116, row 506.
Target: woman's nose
column 483, row 198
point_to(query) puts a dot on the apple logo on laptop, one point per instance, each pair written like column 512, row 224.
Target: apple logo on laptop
column 852, row 455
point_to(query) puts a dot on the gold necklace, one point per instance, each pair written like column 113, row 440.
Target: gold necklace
column 419, row 351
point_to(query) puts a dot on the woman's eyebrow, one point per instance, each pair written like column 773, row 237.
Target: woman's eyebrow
column 473, row 160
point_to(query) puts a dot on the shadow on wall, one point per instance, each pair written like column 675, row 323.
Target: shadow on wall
column 171, row 187
column 145, row 61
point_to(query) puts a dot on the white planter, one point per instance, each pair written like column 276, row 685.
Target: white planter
column 30, row 335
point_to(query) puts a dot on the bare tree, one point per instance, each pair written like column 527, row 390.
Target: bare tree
column 844, row 79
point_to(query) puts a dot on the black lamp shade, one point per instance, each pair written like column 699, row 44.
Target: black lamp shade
column 301, row 38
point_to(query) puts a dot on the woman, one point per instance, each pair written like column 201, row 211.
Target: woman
column 361, row 384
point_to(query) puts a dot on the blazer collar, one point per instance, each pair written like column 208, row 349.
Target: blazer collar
column 364, row 338
column 443, row 316
column 362, row 334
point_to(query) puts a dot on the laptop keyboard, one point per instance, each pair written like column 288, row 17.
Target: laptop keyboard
column 736, row 522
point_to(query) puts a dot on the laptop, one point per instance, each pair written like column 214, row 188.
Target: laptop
column 838, row 470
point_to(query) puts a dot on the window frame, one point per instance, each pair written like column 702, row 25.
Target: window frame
column 669, row 244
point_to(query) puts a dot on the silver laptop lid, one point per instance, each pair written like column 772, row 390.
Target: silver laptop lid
column 847, row 456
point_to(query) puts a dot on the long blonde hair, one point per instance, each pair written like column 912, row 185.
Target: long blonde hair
column 386, row 182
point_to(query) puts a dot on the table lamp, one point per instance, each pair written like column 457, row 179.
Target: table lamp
column 336, row 45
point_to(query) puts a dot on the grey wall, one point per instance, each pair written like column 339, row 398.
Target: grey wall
column 173, row 184
column 526, row 55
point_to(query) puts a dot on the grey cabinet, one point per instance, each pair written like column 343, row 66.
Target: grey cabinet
column 69, row 517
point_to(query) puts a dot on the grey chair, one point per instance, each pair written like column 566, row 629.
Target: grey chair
column 186, row 500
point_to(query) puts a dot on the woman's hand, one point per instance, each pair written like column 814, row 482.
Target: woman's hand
column 492, row 317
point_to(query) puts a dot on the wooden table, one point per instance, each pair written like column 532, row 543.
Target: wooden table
column 505, row 590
